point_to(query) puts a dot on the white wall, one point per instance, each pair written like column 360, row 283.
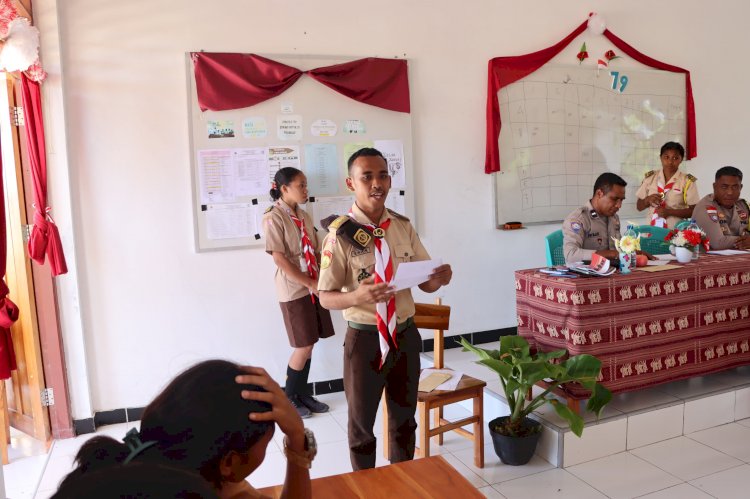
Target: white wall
column 150, row 305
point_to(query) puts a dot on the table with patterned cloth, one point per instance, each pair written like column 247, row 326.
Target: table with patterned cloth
column 645, row 327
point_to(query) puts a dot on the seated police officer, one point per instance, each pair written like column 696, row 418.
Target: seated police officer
column 590, row 228
column 722, row 215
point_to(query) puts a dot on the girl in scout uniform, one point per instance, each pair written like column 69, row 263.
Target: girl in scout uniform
column 292, row 241
column 669, row 194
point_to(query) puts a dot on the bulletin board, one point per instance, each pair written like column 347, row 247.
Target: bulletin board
column 235, row 153
column 564, row 126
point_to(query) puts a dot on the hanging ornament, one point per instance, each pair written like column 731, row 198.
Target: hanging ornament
column 582, row 54
column 600, row 64
column 596, row 24
column 610, row 55
column 21, row 48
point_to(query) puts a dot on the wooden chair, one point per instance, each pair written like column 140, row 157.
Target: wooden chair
column 437, row 317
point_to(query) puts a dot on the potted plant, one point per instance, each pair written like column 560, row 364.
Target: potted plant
column 687, row 242
column 515, row 436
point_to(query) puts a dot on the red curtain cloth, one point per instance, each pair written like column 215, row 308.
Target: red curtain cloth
column 505, row 70
column 231, row 81
column 45, row 238
column 8, row 309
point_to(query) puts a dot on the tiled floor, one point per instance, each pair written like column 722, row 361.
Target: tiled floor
column 712, row 462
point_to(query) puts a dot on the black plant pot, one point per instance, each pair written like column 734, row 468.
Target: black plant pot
column 515, row 451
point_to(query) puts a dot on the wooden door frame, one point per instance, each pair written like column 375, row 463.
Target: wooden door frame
column 50, row 338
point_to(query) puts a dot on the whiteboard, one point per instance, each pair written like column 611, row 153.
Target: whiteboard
column 562, row 126
column 230, row 197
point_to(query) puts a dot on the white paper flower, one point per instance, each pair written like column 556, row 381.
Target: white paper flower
column 21, row 48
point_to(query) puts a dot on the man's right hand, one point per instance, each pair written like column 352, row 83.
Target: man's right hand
column 369, row 292
column 743, row 243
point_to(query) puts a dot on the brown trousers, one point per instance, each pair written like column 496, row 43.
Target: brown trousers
column 364, row 382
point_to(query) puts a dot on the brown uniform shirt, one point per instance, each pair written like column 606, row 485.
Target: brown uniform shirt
column 723, row 226
column 585, row 232
column 282, row 235
column 343, row 266
column 675, row 198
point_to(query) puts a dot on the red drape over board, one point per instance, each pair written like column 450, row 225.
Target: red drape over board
column 45, row 238
column 8, row 309
column 232, row 81
column 505, row 70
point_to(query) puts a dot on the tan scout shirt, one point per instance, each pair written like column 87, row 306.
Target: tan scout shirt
column 585, row 232
column 675, row 198
column 282, row 235
column 343, row 266
column 723, row 226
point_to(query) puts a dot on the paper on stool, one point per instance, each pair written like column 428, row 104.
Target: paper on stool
column 450, row 384
column 433, row 381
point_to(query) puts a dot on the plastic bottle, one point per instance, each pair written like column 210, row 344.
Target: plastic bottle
column 630, row 231
column 694, row 226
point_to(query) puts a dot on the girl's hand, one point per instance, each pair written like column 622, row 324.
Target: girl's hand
column 282, row 411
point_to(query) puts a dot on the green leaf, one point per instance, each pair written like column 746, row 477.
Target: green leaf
column 555, row 354
column 582, row 366
column 574, row 420
column 600, row 397
column 516, row 346
column 500, row 367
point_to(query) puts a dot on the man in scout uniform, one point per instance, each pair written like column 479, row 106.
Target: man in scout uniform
column 360, row 256
column 590, row 228
column 669, row 194
column 723, row 216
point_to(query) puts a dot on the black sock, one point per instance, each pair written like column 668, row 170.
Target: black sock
column 305, row 374
column 292, row 381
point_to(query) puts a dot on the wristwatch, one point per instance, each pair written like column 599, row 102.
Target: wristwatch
column 306, row 457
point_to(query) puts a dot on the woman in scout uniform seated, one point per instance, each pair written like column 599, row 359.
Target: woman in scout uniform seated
column 292, row 241
column 200, row 423
column 669, row 194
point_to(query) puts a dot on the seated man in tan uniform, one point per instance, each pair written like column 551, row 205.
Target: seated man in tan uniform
column 723, row 216
column 590, row 228
column 361, row 253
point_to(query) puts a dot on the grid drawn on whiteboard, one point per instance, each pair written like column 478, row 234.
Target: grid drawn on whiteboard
column 562, row 127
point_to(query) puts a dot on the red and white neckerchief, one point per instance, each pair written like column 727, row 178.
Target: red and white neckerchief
column 385, row 313
column 307, row 249
column 656, row 220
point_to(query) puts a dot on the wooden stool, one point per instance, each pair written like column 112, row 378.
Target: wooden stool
column 438, row 317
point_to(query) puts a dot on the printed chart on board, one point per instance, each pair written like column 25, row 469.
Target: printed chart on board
column 564, row 126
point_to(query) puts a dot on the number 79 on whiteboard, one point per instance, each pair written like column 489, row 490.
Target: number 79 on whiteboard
column 618, row 80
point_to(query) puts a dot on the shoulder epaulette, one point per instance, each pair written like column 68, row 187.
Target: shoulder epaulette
column 648, row 174
column 691, row 178
column 268, row 210
column 349, row 229
column 397, row 215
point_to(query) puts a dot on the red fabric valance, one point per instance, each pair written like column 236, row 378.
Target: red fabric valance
column 232, row 81
column 505, row 70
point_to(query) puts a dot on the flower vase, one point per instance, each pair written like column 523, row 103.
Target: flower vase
column 683, row 254
column 625, row 263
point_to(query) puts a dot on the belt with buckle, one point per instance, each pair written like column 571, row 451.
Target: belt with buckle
column 371, row 327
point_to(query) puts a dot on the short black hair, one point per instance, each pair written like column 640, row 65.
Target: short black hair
column 673, row 146
column 728, row 171
column 284, row 176
column 365, row 151
column 606, row 180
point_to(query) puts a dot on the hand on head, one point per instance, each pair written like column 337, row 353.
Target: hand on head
column 282, row 412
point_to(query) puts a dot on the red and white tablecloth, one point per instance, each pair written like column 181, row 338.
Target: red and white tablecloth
column 646, row 328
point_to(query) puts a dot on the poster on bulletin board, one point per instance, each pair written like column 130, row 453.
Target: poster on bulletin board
column 235, row 154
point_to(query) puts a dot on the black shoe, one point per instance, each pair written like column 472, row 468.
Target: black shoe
column 302, row 409
column 313, row 404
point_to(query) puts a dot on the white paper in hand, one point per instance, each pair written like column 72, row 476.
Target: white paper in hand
column 410, row 274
